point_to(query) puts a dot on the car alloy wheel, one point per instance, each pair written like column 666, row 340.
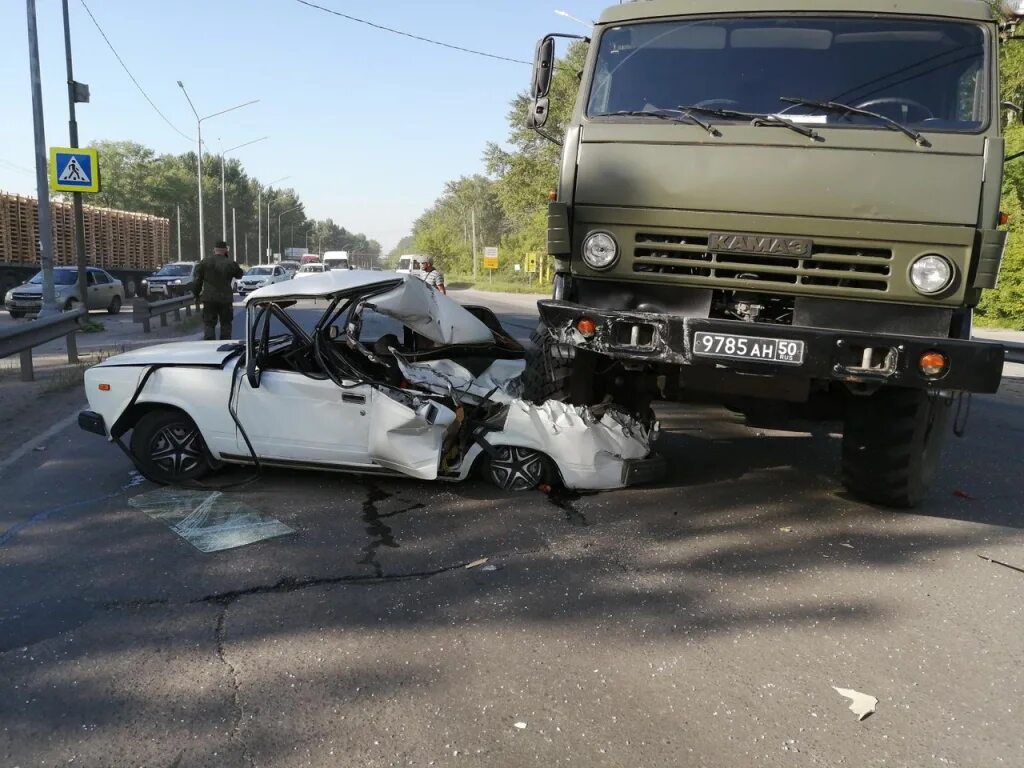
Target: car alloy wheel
column 177, row 449
column 517, row 469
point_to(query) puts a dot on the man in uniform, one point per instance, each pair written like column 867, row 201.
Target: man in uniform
column 433, row 277
column 213, row 285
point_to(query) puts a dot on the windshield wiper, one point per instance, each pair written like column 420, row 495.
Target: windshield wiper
column 846, row 109
column 675, row 115
column 755, row 118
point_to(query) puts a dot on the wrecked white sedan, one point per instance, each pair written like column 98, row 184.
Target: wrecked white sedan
column 358, row 371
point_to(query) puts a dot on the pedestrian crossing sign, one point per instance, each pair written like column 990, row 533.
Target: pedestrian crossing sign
column 74, row 170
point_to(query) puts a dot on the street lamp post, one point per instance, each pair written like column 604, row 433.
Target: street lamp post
column 574, row 18
column 199, row 147
column 223, row 193
column 283, row 213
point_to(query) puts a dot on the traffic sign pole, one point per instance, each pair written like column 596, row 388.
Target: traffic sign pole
column 73, row 141
column 49, row 306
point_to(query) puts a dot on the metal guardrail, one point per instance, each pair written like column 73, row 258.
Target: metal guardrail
column 21, row 340
column 144, row 311
column 1014, row 352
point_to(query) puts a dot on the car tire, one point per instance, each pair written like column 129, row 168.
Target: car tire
column 168, row 448
column 115, row 306
column 70, row 305
column 517, row 469
column 129, row 289
column 892, row 444
column 16, row 314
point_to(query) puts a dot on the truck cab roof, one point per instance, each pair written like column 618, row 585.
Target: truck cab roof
column 652, row 9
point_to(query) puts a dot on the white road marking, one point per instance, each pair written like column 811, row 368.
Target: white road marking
column 38, row 440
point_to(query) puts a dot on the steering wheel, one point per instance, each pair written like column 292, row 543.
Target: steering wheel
column 717, row 103
column 897, row 101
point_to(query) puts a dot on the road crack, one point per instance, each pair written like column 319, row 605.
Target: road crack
column 220, row 639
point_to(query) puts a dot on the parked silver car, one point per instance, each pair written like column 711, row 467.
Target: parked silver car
column 104, row 292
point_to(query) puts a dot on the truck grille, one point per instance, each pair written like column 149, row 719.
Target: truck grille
column 864, row 269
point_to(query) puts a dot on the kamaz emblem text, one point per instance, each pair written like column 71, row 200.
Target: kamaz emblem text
column 768, row 245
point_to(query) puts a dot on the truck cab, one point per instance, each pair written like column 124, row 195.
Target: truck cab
column 794, row 202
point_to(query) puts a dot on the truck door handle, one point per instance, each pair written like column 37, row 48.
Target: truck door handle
column 346, row 398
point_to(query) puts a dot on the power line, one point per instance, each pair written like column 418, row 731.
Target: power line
column 130, row 75
column 412, row 36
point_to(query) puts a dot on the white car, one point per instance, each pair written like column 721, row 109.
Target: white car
column 258, row 277
column 410, row 265
column 310, row 269
column 393, row 378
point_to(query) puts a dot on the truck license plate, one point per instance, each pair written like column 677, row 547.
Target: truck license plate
column 752, row 348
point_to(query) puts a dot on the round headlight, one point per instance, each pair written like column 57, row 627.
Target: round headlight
column 931, row 273
column 600, row 250
column 145, row 282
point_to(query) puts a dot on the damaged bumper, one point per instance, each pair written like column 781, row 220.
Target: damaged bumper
column 824, row 354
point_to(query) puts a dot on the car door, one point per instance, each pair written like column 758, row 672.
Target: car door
column 291, row 417
column 94, row 291
column 297, row 417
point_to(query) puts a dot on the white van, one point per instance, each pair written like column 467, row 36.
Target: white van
column 336, row 260
column 410, row 265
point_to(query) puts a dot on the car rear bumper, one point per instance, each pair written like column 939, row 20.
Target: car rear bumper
column 828, row 354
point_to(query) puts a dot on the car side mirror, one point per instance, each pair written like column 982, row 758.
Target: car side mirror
column 253, row 373
column 543, row 71
column 333, row 332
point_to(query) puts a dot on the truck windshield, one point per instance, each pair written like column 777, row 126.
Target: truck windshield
column 931, row 75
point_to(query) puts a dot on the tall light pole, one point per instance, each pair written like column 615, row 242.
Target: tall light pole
column 259, row 219
column 49, row 306
column 178, row 209
column 77, row 92
column 573, row 18
column 199, row 147
column 280, row 253
column 223, row 193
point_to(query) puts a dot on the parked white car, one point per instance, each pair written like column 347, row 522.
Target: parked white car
column 258, row 277
column 310, row 269
column 395, row 378
column 104, row 292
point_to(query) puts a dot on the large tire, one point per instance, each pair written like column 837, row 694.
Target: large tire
column 168, row 448
column 892, row 444
column 71, row 305
column 115, row 306
column 548, row 371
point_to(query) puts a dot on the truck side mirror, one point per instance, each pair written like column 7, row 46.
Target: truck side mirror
column 543, row 71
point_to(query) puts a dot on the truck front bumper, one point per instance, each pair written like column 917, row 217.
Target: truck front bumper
column 828, row 354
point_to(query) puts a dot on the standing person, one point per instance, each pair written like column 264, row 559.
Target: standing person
column 213, row 285
column 433, row 277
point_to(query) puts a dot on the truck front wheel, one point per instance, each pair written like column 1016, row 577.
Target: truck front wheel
column 892, row 443
column 549, row 369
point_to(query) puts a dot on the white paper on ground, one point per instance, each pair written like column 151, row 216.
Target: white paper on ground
column 861, row 704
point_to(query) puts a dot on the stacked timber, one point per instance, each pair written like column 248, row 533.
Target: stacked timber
column 114, row 240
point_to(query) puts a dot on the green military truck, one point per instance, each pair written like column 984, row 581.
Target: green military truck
column 791, row 202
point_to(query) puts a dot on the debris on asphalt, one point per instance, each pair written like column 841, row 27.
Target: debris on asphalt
column 489, row 568
column 209, row 520
column 963, row 495
column 477, row 563
column 520, row 725
column 844, row 544
column 134, row 479
column 861, row 704
column 785, row 530
column 999, row 562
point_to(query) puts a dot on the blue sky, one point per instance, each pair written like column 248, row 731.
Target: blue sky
column 368, row 124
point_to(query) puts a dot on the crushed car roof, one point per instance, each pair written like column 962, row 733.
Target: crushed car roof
column 405, row 298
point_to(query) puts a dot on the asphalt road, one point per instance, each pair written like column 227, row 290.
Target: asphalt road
column 701, row 622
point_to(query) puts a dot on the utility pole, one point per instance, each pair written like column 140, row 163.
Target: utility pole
column 178, row 208
column 73, row 98
column 259, row 225
column 223, row 203
column 234, row 235
column 473, row 220
column 49, row 306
